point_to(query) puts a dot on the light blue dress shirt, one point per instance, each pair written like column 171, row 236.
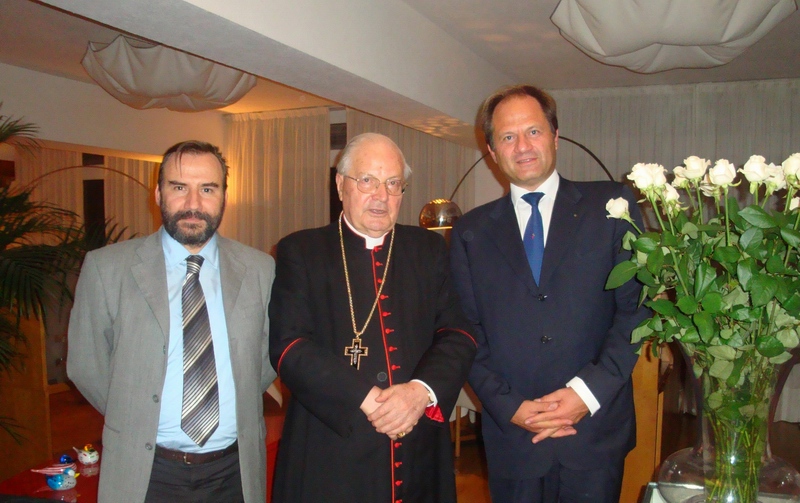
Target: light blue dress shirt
column 170, row 434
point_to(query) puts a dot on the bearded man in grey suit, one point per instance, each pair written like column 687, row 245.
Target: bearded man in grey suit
column 168, row 340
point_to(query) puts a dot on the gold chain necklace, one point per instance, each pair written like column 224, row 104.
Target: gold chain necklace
column 356, row 351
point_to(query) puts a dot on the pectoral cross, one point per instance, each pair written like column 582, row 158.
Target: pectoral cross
column 355, row 352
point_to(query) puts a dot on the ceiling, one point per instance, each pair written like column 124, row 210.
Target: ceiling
column 518, row 40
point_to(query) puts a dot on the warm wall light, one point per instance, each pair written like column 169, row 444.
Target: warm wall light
column 160, row 77
column 650, row 36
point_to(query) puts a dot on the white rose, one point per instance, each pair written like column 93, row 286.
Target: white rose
column 658, row 173
column 695, row 167
column 775, row 179
column 641, row 176
column 670, row 194
column 708, row 188
column 617, row 208
column 755, row 169
column 672, row 200
column 680, row 181
column 722, row 174
column 791, row 166
column 794, row 203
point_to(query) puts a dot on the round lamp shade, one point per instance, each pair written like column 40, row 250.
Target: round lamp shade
column 439, row 214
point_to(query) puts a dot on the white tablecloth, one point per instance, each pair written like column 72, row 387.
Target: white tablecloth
column 789, row 403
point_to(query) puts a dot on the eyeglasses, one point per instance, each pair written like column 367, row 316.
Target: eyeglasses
column 369, row 185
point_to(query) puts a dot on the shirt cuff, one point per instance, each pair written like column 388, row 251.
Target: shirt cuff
column 432, row 401
column 580, row 387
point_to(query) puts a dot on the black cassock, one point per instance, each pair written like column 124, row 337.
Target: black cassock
column 329, row 452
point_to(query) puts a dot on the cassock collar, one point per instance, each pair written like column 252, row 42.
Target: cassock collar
column 369, row 242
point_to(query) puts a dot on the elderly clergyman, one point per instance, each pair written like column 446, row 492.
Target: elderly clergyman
column 368, row 335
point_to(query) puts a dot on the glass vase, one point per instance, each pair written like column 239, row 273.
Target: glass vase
column 731, row 461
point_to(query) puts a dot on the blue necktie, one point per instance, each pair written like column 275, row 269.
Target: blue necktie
column 534, row 235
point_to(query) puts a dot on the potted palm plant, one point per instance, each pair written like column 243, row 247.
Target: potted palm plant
column 40, row 244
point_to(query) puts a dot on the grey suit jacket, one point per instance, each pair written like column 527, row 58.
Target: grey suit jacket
column 118, row 339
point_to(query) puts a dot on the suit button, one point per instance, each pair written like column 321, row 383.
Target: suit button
column 155, row 398
column 148, row 446
column 546, row 339
column 382, row 376
column 541, row 297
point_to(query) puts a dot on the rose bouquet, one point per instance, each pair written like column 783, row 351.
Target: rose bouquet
column 723, row 281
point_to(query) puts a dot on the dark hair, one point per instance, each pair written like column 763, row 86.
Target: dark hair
column 546, row 101
column 194, row 147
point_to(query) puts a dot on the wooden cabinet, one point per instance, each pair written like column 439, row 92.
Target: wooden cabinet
column 24, row 398
column 642, row 462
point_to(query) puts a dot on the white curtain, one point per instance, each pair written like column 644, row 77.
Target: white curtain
column 666, row 124
column 278, row 181
column 437, row 165
column 128, row 186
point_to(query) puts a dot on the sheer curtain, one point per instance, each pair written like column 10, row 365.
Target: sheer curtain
column 278, row 181
column 666, row 124
column 437, row 165
column 128, row 186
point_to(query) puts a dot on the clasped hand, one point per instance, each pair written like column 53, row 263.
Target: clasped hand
column 551, row 416
column 396, row 409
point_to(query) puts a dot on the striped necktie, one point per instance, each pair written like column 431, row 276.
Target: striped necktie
column 200, row 411
column 534, row 235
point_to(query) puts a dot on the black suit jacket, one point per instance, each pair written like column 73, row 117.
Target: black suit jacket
column 534, row 339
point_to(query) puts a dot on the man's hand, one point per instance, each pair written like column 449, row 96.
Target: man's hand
column 569, row 410
column 530, row 409
column 400, row 408
column 369, row 404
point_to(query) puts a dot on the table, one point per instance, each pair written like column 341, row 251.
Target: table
column 651, row 495
column 33, row 485
column 28, row 483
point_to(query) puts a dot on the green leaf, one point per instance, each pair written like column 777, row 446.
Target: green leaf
column 712, row 302
column 750, row 239
column 644, row 277
column 704, row 276
column 769, row 346
column 756, row 215
column 646, row 243
column 781, row 358
column 745, row 271
column 621, row 274
column 687, row 304
column 762, row 290
column 791, row 236
column 655, row 261
column 788, row 337
column 775, row 264
column 714, row 400
column 721, row 369
column 705, row 324
column 641, row 333
column 669, row 240
column 662, row 306
column 722, row 352
column 690, row 230
column 690, row 335
column 727, row 254
column 733, row 379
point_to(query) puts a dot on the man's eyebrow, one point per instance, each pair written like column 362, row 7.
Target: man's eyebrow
column 210, row 184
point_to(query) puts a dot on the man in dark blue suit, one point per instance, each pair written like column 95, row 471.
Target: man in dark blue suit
column 554, row 361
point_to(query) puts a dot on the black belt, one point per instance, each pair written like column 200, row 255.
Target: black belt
column 195, row 458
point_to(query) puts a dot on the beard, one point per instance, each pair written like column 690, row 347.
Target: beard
column 193, row 235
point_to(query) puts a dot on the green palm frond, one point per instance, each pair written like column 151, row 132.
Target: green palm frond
column 40, row 245
column 23, row 133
